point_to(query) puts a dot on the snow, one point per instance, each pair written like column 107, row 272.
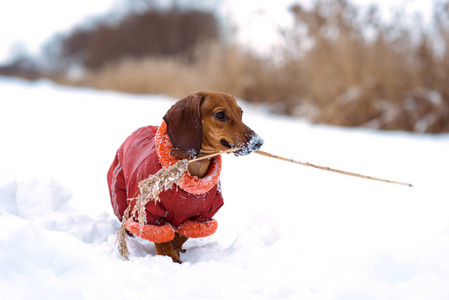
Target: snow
column 285, row 231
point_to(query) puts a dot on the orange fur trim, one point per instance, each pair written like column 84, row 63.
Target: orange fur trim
column 189, row 183
column 193, row 229
column 152, row 233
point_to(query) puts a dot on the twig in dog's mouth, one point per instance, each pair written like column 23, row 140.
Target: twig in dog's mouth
column 332, row 169
column 213, row 155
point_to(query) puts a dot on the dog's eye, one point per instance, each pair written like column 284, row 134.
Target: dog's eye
column 220, row 115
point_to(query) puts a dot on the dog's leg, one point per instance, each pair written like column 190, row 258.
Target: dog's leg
column 129, row 233
column 178, row 241
column 167, row 249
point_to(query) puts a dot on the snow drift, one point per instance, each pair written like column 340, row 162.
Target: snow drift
column 285, row 231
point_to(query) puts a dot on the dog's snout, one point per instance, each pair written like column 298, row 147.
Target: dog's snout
column 254, row 143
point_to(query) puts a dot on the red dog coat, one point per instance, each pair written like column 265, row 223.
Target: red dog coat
column 187, row 208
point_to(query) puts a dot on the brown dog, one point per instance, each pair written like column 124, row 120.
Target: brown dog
column 200, row 124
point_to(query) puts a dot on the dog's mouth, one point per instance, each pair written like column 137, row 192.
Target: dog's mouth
column 253, row 144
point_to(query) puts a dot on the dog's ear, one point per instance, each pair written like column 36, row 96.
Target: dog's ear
column 184, row 126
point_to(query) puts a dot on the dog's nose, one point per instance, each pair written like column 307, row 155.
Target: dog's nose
column 255, row 143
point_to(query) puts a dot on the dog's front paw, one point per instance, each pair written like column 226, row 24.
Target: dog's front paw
column 178, row 242
column 167, row 249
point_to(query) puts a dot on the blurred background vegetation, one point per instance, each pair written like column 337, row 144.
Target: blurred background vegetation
column 337, row 65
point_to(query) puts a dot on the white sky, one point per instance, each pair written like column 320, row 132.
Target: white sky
column 31, row 22
column 27, row 24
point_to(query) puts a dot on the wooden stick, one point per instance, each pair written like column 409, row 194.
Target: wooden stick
column 213, row 155
column 331, row 169
column 304, row 164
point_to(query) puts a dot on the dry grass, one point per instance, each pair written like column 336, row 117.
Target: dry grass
column 395, row 79
column 390, row 81
column 150, row 189
column 220, row 68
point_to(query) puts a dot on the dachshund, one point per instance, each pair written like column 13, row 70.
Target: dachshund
column 198, row 125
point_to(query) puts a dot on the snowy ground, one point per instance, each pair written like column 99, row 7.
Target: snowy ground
column 285, row 231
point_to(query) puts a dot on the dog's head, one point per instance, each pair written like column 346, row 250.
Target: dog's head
column 207, row 122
